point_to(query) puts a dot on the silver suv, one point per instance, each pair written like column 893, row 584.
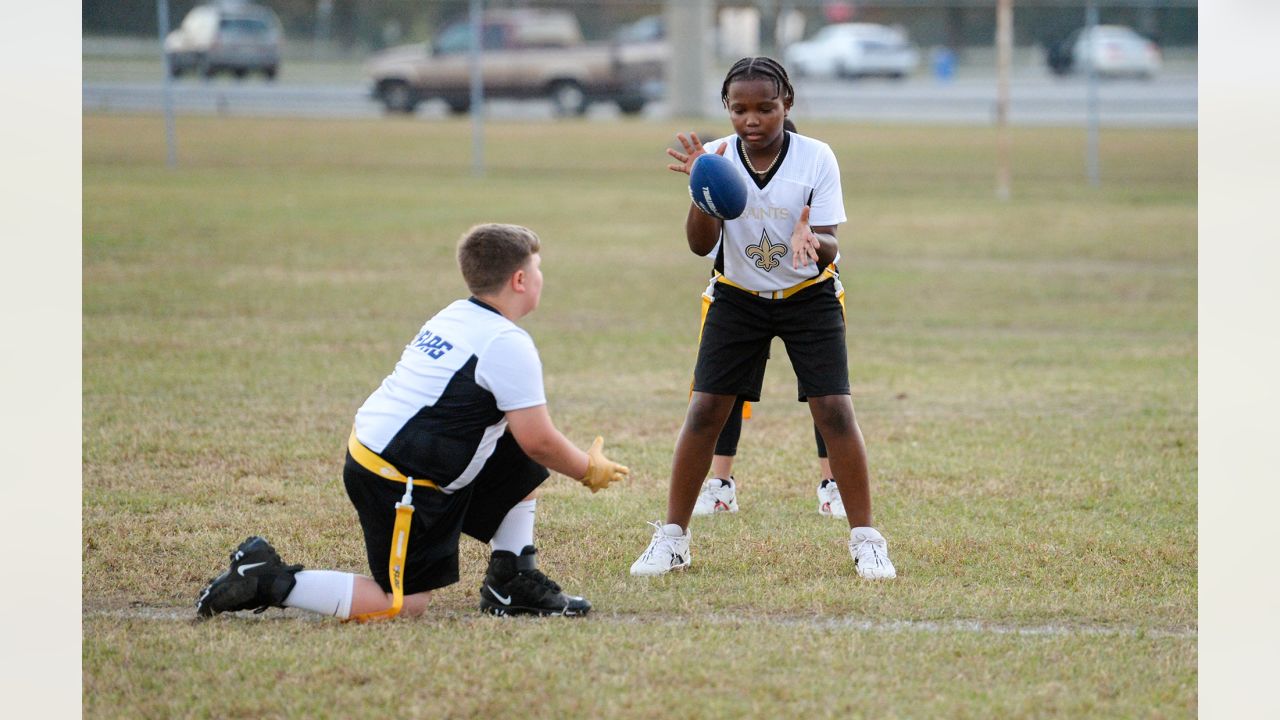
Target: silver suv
column 234, row 37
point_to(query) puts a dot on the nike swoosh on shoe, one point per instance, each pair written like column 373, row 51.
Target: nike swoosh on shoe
column 248, row 566
column 499, row 598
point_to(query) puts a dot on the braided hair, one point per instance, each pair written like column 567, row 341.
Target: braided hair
column 759, row 68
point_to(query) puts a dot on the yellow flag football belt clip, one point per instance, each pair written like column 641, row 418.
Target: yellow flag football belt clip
column 370, row 461
column 399, row 549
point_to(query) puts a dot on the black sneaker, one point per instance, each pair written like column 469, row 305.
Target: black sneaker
column 515, row 586
column 257, row 579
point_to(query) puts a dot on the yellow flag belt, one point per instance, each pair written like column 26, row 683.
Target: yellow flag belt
column 370, row 461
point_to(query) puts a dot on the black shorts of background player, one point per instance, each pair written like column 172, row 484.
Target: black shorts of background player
column 460, row 429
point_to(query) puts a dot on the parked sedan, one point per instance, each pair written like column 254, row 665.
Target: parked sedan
column 1116, row 51
column 233, row 37
column 854, row 50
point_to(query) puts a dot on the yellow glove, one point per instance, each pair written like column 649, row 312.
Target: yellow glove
column 601, row 470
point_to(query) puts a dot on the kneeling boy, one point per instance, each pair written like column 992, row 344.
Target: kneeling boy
column 463, row 417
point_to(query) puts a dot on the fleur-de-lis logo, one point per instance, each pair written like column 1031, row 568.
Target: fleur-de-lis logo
column 768, row 255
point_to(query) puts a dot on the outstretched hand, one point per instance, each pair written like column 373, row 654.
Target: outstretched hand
column 692, row 149
column 601, row 470
column 804, row 245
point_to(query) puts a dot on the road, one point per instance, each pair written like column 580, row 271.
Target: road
column 1166, row 101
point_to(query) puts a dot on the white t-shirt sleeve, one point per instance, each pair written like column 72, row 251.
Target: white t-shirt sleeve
column 827, row 207
column 511, row 369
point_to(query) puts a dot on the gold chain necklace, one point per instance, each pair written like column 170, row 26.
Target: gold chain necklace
column 747, row 157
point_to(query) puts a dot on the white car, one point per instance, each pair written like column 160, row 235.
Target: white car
column 228, row 36
column 1116, row 51
column 853, row 50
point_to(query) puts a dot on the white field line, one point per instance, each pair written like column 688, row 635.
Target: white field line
column 811, row 622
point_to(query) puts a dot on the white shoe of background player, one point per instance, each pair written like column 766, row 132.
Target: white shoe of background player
column 829, row 502
column 718, row 495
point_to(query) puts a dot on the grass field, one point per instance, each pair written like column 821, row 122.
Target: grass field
column 1024, row 372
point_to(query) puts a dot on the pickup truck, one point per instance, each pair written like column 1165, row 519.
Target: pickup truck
column 526, row 53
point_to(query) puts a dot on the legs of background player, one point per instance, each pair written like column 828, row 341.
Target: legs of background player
column 694, row 447
column 721, row 465
column 727, row 447
column 833, row 415
column 824, row 462
column 830, row 503
column 727, row 442
column 719, row 493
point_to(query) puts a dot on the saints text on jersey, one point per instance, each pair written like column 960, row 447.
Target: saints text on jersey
column 764, row 213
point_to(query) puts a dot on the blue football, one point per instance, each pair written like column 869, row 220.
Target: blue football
column 716, row 186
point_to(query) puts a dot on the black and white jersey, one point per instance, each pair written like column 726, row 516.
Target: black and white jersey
column 755, row 248
column 440, row 413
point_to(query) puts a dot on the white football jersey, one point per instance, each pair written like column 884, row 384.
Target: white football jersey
column 440, row 413
column 755, row 248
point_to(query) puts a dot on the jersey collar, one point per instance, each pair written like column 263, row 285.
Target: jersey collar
column 483, row 304
column 782, row 156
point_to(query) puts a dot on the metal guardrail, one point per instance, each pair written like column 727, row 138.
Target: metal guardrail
column 971, row 102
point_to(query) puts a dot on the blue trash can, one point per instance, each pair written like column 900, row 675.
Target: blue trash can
column 943, row 60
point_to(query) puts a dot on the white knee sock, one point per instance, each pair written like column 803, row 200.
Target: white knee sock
column 516, row 529
column 327, row 592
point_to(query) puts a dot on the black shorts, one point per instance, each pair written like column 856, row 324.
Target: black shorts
column 740, row 326
column 438, row 519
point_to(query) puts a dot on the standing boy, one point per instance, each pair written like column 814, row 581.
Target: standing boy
column 463, row 418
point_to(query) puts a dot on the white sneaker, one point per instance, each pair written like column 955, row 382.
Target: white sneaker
column 668, row 550
column 870, row 554
column 829, row 502
column 717, row 496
